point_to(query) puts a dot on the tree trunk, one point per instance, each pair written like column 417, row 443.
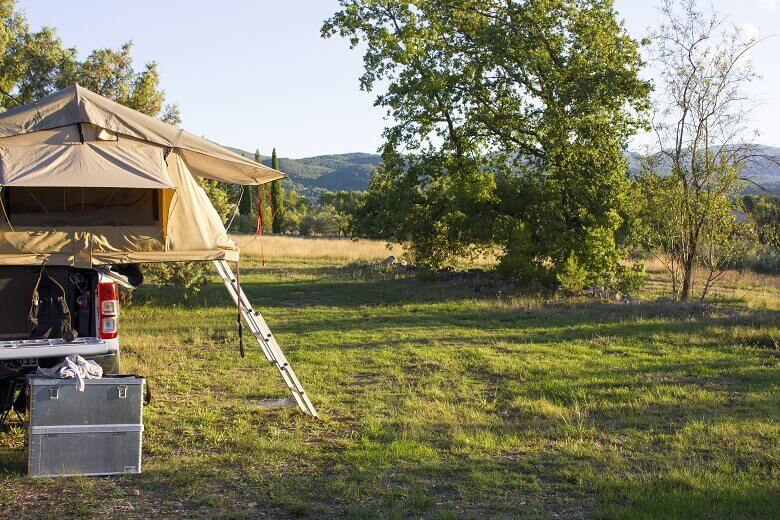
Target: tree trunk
column 685, row 291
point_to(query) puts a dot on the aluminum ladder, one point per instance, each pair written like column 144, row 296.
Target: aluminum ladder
column 265, row 338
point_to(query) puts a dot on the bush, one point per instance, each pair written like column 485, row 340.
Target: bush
column 243, row 224
column 630, row 280
column 765, row 259
column 189, row 276
column 322, row 221
column 573, row 276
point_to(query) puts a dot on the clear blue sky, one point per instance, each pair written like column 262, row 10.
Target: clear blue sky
column 256, row 74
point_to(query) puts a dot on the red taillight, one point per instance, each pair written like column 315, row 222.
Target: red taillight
column 108, row 309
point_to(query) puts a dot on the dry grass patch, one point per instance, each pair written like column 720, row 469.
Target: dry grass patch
column 298, row 247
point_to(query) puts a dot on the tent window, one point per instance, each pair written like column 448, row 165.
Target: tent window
column 52, row 207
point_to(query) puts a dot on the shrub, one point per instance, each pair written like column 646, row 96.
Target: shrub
column 765, row 259
column 573, row 276
column 630, row 280
column 189, row 276
column 243, row 224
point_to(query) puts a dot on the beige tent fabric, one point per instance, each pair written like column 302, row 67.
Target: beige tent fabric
column 191, row 230
column 83, row 165
column 75, row 105
column 193, row 223
column 90, row 182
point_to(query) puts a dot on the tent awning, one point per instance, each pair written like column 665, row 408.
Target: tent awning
column 77, row 105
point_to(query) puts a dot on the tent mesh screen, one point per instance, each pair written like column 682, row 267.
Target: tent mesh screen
column 76, row 207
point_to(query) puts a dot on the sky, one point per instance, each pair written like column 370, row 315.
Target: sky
column 255, row 74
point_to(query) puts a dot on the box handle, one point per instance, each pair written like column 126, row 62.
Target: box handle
column 54, row 392
column 122, row 389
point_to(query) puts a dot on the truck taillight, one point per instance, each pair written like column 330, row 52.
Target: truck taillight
column 108, row 305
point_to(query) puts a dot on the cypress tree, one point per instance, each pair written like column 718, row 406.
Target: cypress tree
column 277, row 197
column 248, row 204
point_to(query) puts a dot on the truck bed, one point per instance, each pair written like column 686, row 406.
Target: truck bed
column 16, row 290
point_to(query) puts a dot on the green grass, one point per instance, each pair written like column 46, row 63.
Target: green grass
column 436, row 403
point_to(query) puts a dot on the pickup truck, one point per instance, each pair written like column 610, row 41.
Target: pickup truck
column 93, row 300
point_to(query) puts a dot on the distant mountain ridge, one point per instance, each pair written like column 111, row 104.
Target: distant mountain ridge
column 312, row 176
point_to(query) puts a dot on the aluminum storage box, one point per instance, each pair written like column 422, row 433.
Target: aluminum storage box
column 95, row 432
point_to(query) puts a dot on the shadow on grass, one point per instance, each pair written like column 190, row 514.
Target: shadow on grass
column 324, row 291
column 325, row 286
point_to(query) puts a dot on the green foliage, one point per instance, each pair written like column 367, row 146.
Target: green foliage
column 295, row 208
column 702, row 135
column 441, row 207
column 345, row 204
column 189, row 277
column 277, row 198
column 322, row 220
column 248, row 194
column 764, row 259
column 572, row 277
column 111, row 74
column 171, row 115
column 685, row 227
column 247, row 205
column 218, row 195
column 631, row 280
column 764, row 212
column 330, row 216
column 512, row 115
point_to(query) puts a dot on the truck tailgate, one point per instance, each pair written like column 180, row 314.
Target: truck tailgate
column 48, row 348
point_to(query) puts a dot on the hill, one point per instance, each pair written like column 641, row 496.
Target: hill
column 312, row 176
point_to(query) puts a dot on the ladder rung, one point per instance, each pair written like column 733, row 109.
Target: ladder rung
column 265, row 338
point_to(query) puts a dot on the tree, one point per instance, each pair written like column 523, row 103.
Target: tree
column 263, row 212
column 511, row 117
column 248, row 195
column 764, row 212
column 345, row 204
column 701, row 126
column 34, row 64
column 296, row 209
column 323, row 220
column 277, row 197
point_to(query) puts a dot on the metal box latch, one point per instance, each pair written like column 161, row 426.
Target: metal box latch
column 122, row 391
column 54, row 392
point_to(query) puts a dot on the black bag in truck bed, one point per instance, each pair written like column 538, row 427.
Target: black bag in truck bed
column 16, row 288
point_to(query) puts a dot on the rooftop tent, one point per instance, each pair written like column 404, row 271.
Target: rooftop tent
column 86, row 181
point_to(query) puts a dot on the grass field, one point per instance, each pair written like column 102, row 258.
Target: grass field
column 439, row 403
column 276, row 247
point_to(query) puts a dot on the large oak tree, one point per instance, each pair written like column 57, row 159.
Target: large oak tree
column 508, row 120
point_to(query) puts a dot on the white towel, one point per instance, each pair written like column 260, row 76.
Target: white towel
column 74, row 367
